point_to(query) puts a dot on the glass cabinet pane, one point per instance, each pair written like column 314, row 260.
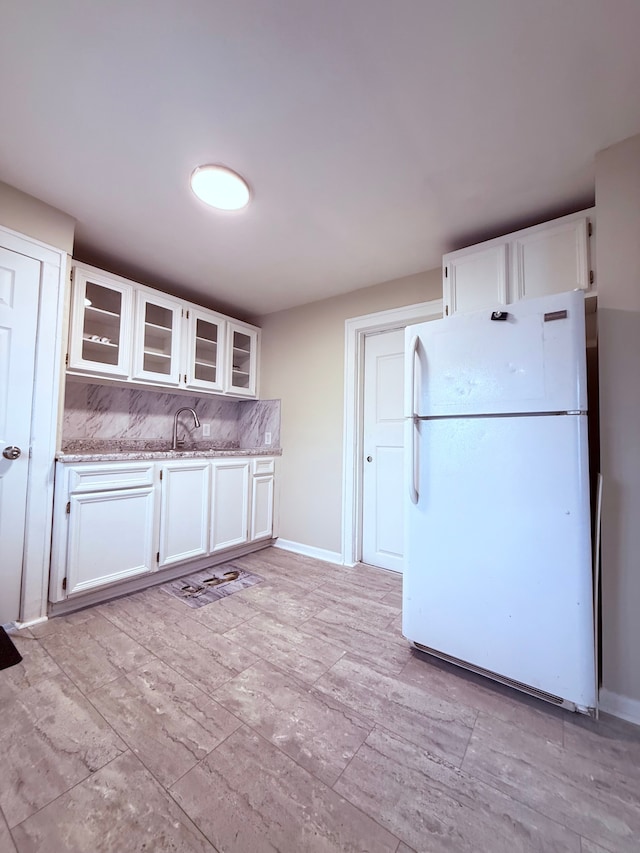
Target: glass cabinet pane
column 206, row 351
column 241, row 360
column 102, row 324
column 158, row 339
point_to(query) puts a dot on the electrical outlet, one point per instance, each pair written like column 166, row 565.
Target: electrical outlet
column 267, row 438
column 206, row 430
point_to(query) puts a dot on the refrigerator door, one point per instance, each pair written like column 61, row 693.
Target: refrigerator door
column 468, row 364
column 498, row 562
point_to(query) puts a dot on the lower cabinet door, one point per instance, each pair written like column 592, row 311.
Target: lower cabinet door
column 262, row 507
column 110, row 537
column 230, row 503
column 184, row 511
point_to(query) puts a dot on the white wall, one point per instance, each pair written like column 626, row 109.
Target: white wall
column 303, row 365
column 618, row 248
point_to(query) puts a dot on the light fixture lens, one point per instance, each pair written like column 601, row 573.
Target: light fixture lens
column 220, row 187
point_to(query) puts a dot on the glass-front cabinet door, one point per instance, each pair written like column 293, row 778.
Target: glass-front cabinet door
column 241, row 364
column 156, row 341
column 100, row 334
column 206, row 350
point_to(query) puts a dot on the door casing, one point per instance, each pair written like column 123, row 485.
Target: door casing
column 45, row 418
column 356, row 329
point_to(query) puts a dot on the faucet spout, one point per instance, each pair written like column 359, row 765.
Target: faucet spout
column 176, row 442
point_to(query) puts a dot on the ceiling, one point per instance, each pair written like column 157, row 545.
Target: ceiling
column 375, row 135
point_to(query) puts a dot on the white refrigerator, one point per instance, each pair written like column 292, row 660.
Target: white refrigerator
column 498, row 573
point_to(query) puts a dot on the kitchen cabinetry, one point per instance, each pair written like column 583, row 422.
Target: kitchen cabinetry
column 101, row 315
column 115, row 521
column 205, row 350
column 111, row 525
column 550, row 258
column 133, row 334
column 184, row 511
column 241, row 359
column 230, row 503
column 156, row 339
column 262, row 494
column 475, row 278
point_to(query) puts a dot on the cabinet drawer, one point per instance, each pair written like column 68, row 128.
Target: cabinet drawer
column 262, row 466
column 98, row 478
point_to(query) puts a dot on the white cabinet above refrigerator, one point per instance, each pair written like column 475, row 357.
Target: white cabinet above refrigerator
column 553, row 257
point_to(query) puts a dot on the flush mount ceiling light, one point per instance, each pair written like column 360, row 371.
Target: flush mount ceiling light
column 220, row 187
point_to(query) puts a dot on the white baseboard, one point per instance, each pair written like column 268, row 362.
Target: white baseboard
column 30, row 622
column 620, row 706
column 310, row 551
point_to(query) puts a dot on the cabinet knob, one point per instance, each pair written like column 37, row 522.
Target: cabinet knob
column 369, row 458
column 11, row 452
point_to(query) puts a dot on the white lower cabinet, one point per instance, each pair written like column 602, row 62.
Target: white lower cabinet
column 118, row 520
column 104, row 527
column 184, row 511
column 110, row 537
column 230, row 503
column 262, row 498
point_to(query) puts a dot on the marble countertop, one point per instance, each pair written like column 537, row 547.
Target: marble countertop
column 94, row 451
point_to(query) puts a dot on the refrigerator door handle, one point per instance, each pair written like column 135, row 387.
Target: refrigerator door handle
column 413, row 353
column 413, row 487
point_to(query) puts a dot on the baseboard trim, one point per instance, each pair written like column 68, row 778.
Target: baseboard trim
column 620, row 706
column 310, row 551
column 30, row 622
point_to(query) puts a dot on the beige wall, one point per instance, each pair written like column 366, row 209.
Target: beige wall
column 618, row 247
column 30, row 216
column 303, row 365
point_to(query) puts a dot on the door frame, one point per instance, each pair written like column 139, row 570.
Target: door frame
column 45, row 418
column 356, row 330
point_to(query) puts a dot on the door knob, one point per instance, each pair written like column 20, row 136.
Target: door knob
column 369, row 458
column 11, row 452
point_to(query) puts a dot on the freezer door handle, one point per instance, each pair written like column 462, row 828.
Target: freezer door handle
column 410, row 387
column 413, row 354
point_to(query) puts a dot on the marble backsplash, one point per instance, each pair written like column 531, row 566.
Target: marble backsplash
column 103, row 413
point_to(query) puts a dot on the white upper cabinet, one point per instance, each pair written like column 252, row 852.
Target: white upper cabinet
column 476, row 278
column 100, row 331
column 241, row 359
column 132, row 333
column 550, row 258
column 205, row 350
column 156, row 340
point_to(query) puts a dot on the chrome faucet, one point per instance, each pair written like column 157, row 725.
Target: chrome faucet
column 176, row 443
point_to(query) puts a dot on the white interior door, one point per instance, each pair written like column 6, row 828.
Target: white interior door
column 19, row 289
column 383, row 446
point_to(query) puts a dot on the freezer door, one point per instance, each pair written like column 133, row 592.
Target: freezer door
column 532, row 361
column 498, row 554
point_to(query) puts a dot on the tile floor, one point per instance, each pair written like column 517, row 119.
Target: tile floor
column 292, row 717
